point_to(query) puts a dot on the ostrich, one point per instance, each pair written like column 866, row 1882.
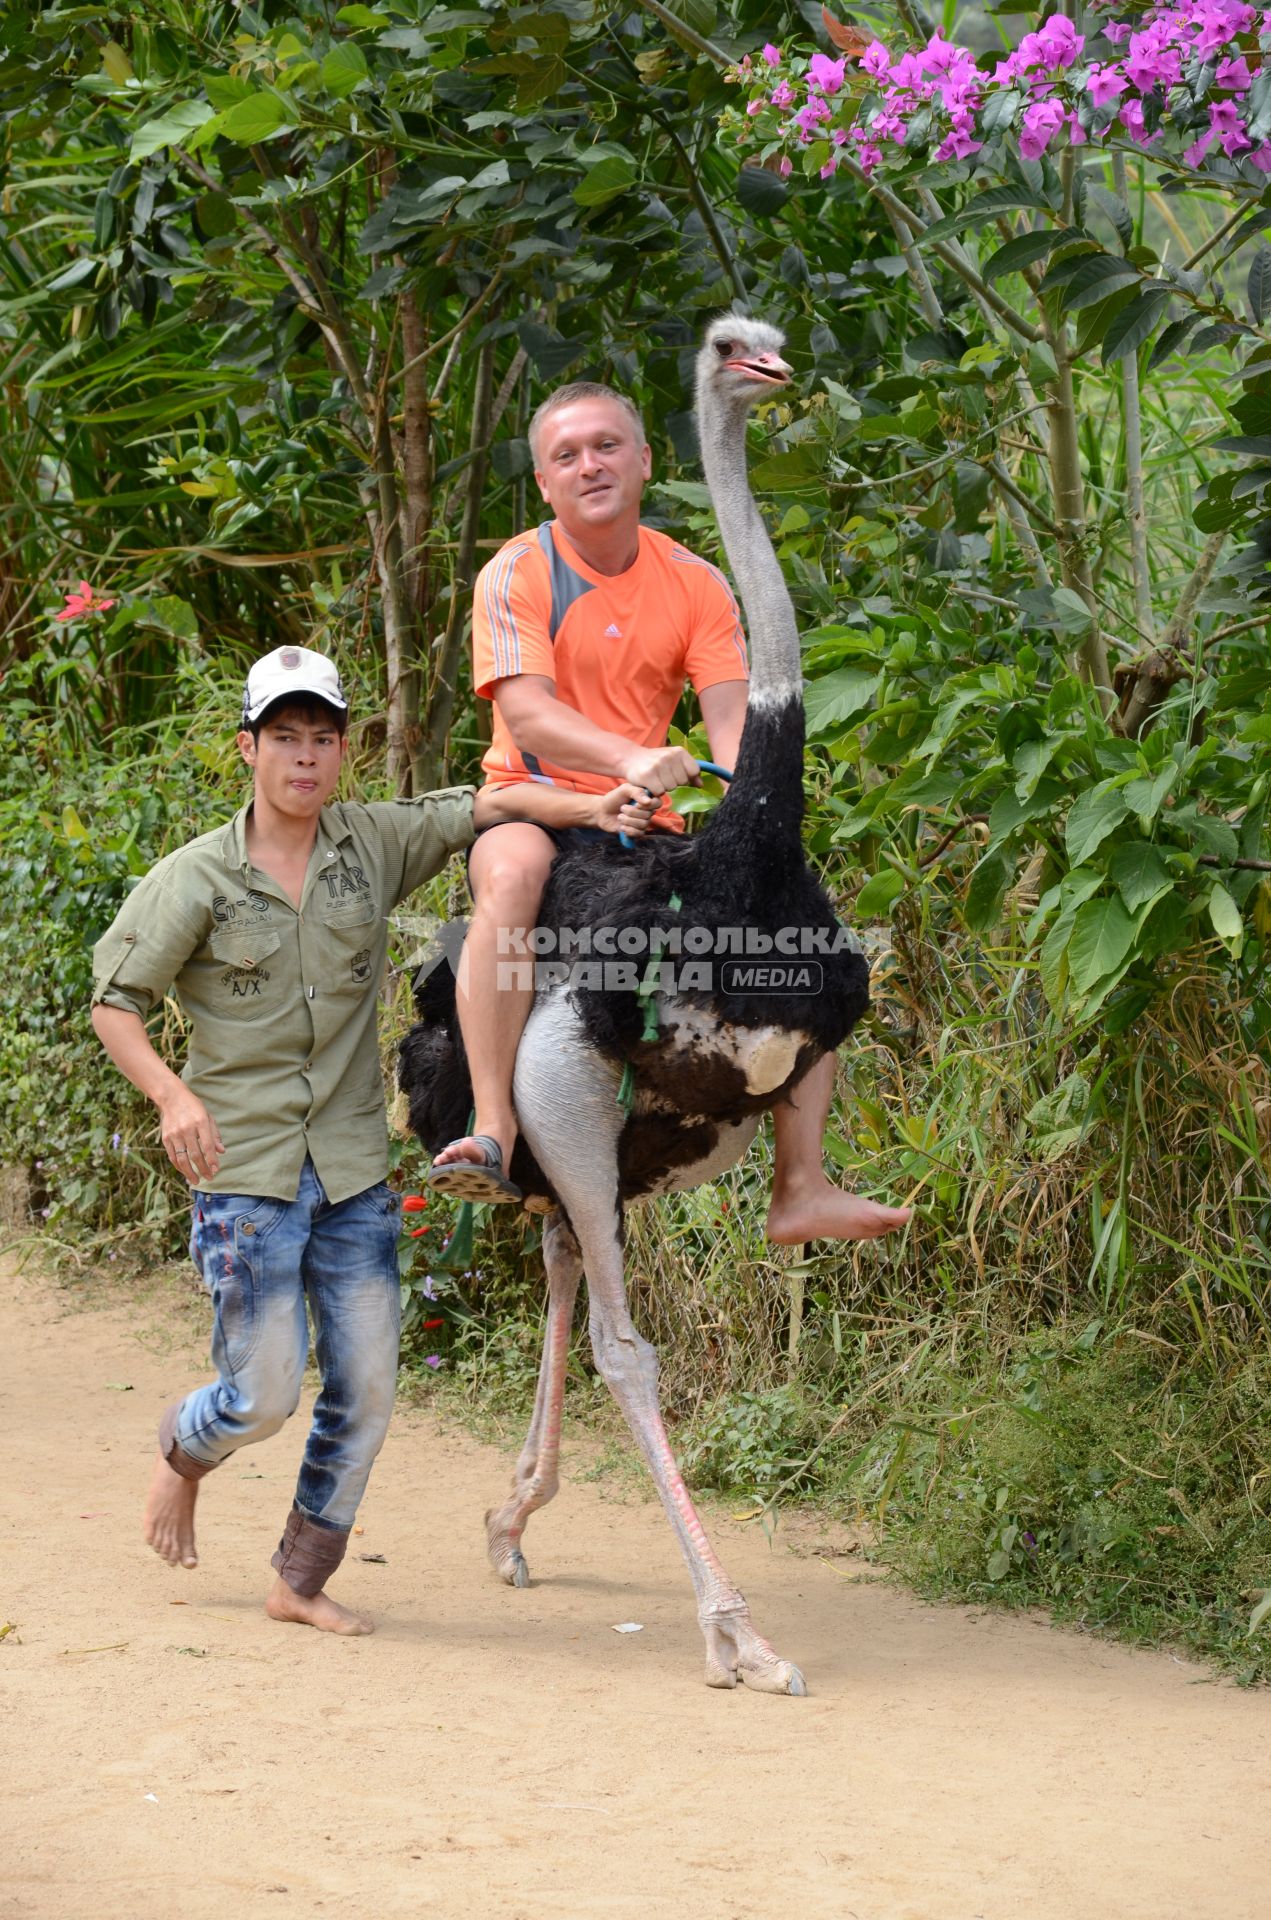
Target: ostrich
column 615, row 1106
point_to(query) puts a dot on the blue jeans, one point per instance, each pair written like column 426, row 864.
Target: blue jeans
column 260, row 1261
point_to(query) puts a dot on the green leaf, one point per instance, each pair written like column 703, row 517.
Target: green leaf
column 1260, row 1612
column 699, row 15
column 74, row 275
column 344, row 68
column 1026, row 249
column 1171, row 340
column 761, row 192
column 1131, row 327
column 984, row 897
column 1071, row 613
column 1227, row 924
column 1091, row 818
column 253, row 119
column 1258, row 285
column 1096, row 276
column 1115, row 208
column 1145, row 797
column 605, row 181
column 984, row 207
column 879, row 895
column 171, row 129
column 832, row 700
column 364, row 17
column 1102, row 935
column 1140, row 874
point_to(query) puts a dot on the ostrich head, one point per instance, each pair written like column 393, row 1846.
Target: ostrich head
column 740, row 361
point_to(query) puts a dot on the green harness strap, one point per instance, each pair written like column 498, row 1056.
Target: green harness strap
column 646, row 1000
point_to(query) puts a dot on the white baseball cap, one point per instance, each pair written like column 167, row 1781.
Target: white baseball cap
column 289, row 671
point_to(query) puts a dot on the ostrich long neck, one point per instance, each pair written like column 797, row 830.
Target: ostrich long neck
column 776, row 676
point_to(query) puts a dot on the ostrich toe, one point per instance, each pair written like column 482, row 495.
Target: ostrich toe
column 736, row 1652
column 505, row 1555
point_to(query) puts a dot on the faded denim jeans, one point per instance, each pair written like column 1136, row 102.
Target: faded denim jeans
column 261, row 1260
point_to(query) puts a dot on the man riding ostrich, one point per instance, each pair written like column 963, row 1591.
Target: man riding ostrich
column 623, row 1094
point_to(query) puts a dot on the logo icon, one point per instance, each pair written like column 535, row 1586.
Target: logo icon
column 360, row 966
column 612, row 632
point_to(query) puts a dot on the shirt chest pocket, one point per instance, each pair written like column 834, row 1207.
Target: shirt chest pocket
column 351, row 946
column 246, row 982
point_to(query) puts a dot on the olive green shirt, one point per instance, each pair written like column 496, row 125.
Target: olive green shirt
column 282, row 1003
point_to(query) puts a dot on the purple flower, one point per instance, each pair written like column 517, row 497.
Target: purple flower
column 957, row 144
column 811, row 116
column 782, row 94
column 755, row 106
column 1104, row 84
column 114, row 1141
column 786, row 166
column 876, row 61
column 825, row 73
column 1041, row 123
column 772, row 54
column 1234, row 74
column 432, row 1360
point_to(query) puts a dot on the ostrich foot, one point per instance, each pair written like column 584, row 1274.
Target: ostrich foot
column 503, row 1545
column 734, row 1651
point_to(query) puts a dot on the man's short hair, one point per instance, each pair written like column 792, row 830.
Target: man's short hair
column 305, row 706
column 581, row 390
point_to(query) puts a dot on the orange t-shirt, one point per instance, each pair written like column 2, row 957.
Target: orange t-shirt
column 618, row 647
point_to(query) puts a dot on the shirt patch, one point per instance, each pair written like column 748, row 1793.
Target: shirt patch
column 360, row 966
column 224, row 909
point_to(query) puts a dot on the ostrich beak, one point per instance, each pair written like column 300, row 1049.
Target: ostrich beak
column 769, row 368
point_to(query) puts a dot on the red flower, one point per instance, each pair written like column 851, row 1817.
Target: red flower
column 416, row 1231
column 85, row 601
column 430, row 1324
column 413, row 1203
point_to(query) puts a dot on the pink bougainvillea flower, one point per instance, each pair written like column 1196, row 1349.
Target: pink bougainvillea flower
column 1041, row 123
column 85, row 601
column 772, row 54
column 786, row 167
column 1104, row 84
column 1234, row 75
column 825, row 73
column 782, row 94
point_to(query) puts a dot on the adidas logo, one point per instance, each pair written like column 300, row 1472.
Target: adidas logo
column 612, row 632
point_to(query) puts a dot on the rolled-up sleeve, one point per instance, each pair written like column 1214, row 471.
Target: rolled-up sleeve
column 144, row 949
column 419, row 836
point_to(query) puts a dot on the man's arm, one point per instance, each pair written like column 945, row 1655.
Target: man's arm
column 189, row 1134
column 545, row 726
column 724, row 713
column 625, row 809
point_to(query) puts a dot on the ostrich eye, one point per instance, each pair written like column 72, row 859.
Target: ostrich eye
column 724, row 348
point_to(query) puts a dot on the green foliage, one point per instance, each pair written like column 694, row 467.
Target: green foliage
column 1081, row 1477
column 753, row 1443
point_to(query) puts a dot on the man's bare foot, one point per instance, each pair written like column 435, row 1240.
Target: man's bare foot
column 826, row 1212
column 168, row 1520
column 313, row 1610
column 470, row 1150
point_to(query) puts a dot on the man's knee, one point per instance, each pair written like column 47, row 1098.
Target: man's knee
column 509, row 872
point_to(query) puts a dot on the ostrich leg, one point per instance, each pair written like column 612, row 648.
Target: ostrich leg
column 566, row 1096
column 537, row 1476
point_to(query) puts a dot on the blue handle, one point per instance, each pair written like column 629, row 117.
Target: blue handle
column 707, row 766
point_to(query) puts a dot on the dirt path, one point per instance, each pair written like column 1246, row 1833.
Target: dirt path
column 507, row 1754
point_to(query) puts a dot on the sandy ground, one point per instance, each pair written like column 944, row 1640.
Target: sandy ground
column 167, row 1753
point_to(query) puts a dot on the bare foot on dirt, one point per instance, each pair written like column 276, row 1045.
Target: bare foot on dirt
column 168, row 1520
column 825, row 1212
column 313, row 1610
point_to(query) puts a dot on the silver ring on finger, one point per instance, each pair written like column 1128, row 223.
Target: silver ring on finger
column 183, row 1153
